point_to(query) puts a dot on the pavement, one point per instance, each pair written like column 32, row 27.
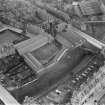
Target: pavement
column 6, row 97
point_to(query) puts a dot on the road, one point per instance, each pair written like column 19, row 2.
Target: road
column 6, row 97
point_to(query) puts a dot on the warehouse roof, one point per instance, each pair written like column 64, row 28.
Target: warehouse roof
column 72, row 38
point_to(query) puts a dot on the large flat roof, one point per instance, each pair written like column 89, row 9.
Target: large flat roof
column 46, row 53
column 10, row 35
column 70, row 38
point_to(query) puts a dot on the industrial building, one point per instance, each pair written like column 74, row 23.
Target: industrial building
column 56, row 57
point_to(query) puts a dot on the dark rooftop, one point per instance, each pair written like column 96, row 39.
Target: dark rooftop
column 72, row 37
column 46, row 53
column 11, row 36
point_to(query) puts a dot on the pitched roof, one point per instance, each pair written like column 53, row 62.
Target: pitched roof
column 90, row 7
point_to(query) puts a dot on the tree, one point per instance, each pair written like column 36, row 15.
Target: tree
column 16, row 12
